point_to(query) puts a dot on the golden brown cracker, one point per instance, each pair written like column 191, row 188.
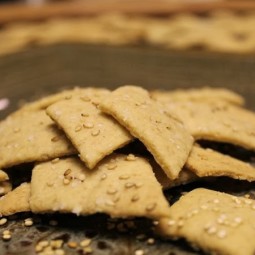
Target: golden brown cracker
column 31, row 137
column 216, row 222
column 216, row 121
column 16, row 200
column 44, row 102
column 166, row 139
column 120, row 186
column 206, row 162
column 198, row 94
column 93, row 133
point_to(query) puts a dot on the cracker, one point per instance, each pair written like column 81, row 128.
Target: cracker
column 206, row 162
column 3, row 176
column 31, row 137
column 216, row 121
column 216, row 222
column 166, row 139
column 44, row 102
column 5, row 187
column 16, row 201
column 119, row 186
column 198, row 94
column 185, row 177
column 94, row 134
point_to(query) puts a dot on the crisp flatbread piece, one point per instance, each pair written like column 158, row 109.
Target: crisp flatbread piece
column 5, row 187
column 216, row 122
column 216, row 222
column 31, row 137
column 3, row 176
column 164, row 136
column 119, row 186
column 93, row 133
column 16, row 200
column 207, row 162
column 43, row 103
column 198, row 94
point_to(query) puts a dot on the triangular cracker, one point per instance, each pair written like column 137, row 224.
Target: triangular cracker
column 198, row 94
column 16, row 200
column 216, row 222
column 93, row 133
column 118, row 186
column 207, row 162
column 166, row 139
column 31, row 137
column 216, row 122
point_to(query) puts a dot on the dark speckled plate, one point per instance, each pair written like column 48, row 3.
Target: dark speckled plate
column 30, row 74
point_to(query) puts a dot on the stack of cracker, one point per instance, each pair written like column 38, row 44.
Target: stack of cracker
column 82, row 145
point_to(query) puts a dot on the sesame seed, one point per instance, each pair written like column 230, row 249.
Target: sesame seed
column 171, row 223
column 85, row 242
column 131, row 157
column 6, row 232
column 253, row 207
column 103, row 176
column 43, row 244
column 204, row 207
column 216, row 201
column 238, row 220
column 66, row 181
column 138, row 184
column 59, row 252
column 3, row 221
column 211, row 230
column 129, row 185
column 151, row 207
column 124, row 177
column 87, row 250
column 85, row 98
column 67, row 172
column 38, row 248
column 82, row 177
column 109, row 202
column 7, row 237
column 139, row 252
column 16, row 130
column 88, row 125
column 221, row 233
column 95, row 132
column 55, row 139
column 180, row 223
column 28, row 222
column 72, row 245
column 155, row 222
column 54, row 160
column 248, row 201
column 56, row 244
column 135, row 198
column 78, row 128
column 111, row 191
column 84, row 114
column 151, row 241
column 111, row 166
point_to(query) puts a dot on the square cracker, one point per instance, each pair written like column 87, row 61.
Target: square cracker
column 93, row 133
column 216, row 222
column 16, row 200
column 166, row 139
column 118, row 186
column 43, row 103
column 31, row 137
column 216, row 121
column 206, row 162
column 198, row 94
